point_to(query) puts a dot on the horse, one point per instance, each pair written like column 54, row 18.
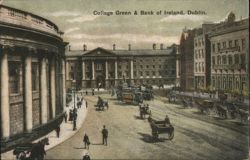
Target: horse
column 243, row 115
column 31, row 151
column 101, row 104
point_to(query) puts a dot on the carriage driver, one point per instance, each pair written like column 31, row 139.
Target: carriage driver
column 167, row 120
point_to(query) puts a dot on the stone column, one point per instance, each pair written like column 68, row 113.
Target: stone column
column 107, row 75
column 44, row 91
column 5, row 106
column 63, row 84
column 93, row 84
column 28, row 94
column 83, row 71
column 116, row 76
column 93, row 70
column 67, row 70
column 107, row 71
column 53, row 87
column 131, row 71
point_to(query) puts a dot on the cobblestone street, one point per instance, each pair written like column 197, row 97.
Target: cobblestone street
column 196, row 136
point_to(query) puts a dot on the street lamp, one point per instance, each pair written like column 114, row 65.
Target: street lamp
column 74, row 110
column 74, row 90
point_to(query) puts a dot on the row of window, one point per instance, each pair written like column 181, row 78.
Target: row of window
column 229, row 59
column 15, row 77
column 199, row 42
column 229, row 44
column 199, row 67
column 231, row 83
column 148, row 60
column 199, row 54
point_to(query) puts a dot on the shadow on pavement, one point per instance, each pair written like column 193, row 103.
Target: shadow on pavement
column 198, row 113
column 137, row 117
column 79, row 148
column 239, row 123
column 149, row 139
column 96, row 144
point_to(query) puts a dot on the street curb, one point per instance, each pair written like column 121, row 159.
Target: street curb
column 84, row 117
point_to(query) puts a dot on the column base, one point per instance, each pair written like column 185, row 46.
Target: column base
column 84, row 84
column 93, row 84
column 107, row 84
column 132, row 82
column 116, row 82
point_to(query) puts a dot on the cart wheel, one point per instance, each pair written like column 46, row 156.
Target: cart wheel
column 171, row 135
column 155, row 135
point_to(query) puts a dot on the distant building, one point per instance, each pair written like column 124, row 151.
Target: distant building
column 230, row 55
column 202, row 57
column 106, row 68
column 32, row 76
column 187, row 59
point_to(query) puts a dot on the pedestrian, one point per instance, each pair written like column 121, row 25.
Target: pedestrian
column 58, row 131
column 86, row 141
column 65, row 116
column 93, row 91
column 86, row 92
column 86, row 157
column 71, row 115
column 104, row 136
column 167, row 120
column 74, row 121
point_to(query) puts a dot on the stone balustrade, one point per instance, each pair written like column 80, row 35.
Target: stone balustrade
column 25, row 19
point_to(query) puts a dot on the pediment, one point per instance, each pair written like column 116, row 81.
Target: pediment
column 99, row 52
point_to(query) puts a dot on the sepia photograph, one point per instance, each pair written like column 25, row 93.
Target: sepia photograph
column 124, row 79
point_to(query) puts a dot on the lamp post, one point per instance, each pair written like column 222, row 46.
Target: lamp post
column 74, row 110
column 73, row 90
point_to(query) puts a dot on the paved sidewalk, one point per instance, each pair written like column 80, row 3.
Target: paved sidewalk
column 65, row 133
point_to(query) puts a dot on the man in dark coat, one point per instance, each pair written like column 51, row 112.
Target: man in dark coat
column 104, row 136
column 86, row 157
column 86, row 141
column 58, row 131
column 65, row 117
column 74, row 120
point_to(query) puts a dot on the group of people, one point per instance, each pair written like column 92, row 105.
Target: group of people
column 86, row 141
column 104, row 132
column 92, row 92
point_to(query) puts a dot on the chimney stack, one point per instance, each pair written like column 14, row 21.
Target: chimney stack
column 84, row 47
column 69, row 48
column 129, row 47
column 161, row 46
column 154, row 46
column 113, row 47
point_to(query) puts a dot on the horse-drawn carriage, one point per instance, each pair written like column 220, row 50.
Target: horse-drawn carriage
column 31, row 151
column 205, row 106
column 187, row 102
column 160, row 127
column 221, row 111
column 147, row 95
column 132, row 97
column 129, row 95
column 238, row 110
column 101, row 104
column 144, row 110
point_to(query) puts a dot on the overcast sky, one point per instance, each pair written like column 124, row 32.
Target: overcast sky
column 76, row 19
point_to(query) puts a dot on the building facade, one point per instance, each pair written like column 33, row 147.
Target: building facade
column 187, row 59
column 107, row 68
column 32, row 76
column 202, row 56
column 230, row 55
